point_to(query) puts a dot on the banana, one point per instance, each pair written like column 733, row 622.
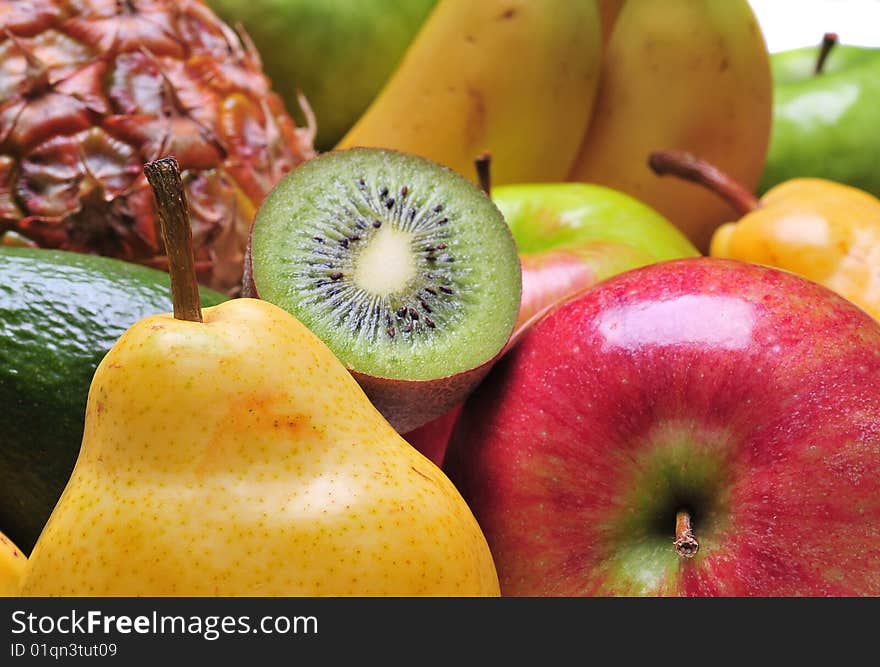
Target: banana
column 684, row 74
column 516, row 78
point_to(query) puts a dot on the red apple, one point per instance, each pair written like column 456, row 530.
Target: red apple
column 693, row 427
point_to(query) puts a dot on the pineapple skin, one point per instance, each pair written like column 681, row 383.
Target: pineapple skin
column 90, row 90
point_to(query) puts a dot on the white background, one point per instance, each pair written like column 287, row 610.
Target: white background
column 789, row 24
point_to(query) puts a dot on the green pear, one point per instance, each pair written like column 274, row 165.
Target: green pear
column 338, row 53
column 227, row 451
column 825, row 123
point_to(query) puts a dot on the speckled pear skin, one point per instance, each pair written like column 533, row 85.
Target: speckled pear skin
column 12, row 565
column 238, row 457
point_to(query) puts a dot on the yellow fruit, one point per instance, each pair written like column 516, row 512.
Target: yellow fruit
column 237, row 456
column 681, row 74
column 608, row 11
column 826, row 231
column 12, row 565
column 516, row 78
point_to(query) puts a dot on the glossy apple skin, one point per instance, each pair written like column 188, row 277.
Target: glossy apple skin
column 825, row 125
column 744, row 394
column 569, row 236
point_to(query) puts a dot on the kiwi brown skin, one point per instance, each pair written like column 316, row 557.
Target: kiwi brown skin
column 406, row 404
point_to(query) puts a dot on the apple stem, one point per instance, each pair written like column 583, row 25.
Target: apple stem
column 685, row 543
column 483, row 163
column 829, row 41
column 697, row 170
column 163, row 176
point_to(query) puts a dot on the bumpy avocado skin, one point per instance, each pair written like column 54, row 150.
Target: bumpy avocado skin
column 60, row 313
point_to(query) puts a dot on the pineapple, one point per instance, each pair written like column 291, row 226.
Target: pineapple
column 90, row 90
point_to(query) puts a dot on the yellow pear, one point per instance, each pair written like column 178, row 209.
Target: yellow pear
column 689, row 75
column 236, row 456
column 608, row 11
column 12, row 565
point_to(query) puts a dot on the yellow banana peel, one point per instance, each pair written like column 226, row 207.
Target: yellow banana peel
column 514, row 78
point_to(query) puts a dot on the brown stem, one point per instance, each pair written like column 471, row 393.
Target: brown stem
column 692, row 168
column 685, row 543
column 164, row 177
column 829, row 41
column 483, row 162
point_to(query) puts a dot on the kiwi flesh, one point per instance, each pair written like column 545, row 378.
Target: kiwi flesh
column 404, row 268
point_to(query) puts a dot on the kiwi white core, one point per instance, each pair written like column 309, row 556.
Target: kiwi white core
column 386, row 265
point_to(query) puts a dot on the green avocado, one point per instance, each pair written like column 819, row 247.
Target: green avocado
column 60, row 312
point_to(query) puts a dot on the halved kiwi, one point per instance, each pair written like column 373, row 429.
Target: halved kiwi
column 404, row 268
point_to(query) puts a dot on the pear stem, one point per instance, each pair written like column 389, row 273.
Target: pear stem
column 483, row 163
column 685, row 543
column 697, row 170
column 164, row 178
column 829, row 41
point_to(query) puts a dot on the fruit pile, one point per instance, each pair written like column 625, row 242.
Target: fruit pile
column 553, row 305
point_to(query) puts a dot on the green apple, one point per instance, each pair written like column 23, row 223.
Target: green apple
column 337, row 52
column 572, row 235
column 824, row 123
